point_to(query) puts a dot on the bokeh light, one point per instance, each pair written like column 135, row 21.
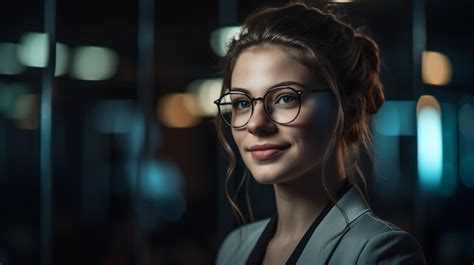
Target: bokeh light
column 62, row 59
column 93, row 63
column 33, row 49
column 436, row 68
column 467, row 169
column 9, row 64
column 387, row 119
column 161, row 189
column 10, row 95
column 33, row 52
column 466, row 121
column 206, row 91
column 429, row 143
column 178, row 110
column 466, row 142
column 221, row 37
column 27, row 111
column 450, row 150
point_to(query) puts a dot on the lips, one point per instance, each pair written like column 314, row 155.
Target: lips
column 267, row 151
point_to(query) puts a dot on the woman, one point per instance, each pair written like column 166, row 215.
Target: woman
column 299, row 89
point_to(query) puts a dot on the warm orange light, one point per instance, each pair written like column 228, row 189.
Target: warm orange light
column 27, row 112
column 436, row 68
column 178, row 110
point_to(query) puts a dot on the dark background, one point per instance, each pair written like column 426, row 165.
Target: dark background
column 177, row 213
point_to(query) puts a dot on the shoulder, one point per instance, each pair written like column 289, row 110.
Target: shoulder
column 239, row 243
column 377, row 241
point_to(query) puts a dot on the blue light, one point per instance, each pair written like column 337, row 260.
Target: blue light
column 32, row 51
column 466, row 142
column 430, row 147
column 221, row 37
column 387, row 119
column 466, row 169
column 161, row 188
column 9, row 64
column 466, row 126
column 450, row 150
column 94, row 63
column 396, row 118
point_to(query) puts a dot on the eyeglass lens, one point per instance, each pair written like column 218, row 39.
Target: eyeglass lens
column 281, row 106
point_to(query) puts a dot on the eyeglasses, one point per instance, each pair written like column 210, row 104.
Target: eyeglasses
column 281, row 105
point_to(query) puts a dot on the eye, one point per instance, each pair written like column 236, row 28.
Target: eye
column 240, row 104
column 285, row 99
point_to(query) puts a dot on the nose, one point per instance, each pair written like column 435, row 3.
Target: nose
column 259, row 123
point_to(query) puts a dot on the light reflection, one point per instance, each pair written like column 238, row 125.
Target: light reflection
column 178, row 110
column 429, row 143
column 27, row 111
column 436, row 68
column 466, row 121
column 33, row 52
column 221, row 37
column 10, row 94
column 206, row 91
column 466, row 142
column 93, row 63
column 9, row 64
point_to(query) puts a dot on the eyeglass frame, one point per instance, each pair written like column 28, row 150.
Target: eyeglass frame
column 253, row 99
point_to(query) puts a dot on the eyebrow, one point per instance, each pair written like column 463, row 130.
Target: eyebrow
column 285, row 83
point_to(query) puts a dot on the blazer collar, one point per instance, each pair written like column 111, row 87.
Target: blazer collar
column 328, row 233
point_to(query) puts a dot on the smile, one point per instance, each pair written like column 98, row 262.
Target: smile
column 267, row 151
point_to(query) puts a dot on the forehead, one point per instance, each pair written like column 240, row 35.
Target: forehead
column 258, row 69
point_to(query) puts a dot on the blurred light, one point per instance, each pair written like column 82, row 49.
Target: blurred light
column 429, row 142
column 221, row 37
column 161, row 181
column 6, row 97
column 396, row 118
column 120, row 116
column 33, row 51
column 9, row 64
column 206, row 91
column 436, row 68
column 467, row 169
column 114, row 116
column 387, row 119
column 178, row 110
column 94, row 63
column 161, row 185
column 62, row 59
column 466, row 142
column 9, row 96
column 342, row 1
column 27, row 111
column 466, row 121
column 450, row 150
column 122, row 121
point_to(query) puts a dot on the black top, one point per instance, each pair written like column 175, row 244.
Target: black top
column 258, row 253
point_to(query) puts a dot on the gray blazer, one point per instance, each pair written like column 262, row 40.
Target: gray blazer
column 368, row 239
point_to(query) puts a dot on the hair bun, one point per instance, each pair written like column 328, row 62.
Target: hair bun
column 375, row 92
column 363, row 77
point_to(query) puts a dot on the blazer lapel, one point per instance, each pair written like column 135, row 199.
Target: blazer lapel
column 331, row 229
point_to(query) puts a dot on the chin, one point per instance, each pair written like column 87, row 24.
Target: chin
column 265, row 180
column 268, row 175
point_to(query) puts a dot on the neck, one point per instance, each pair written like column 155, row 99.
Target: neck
column 300, row 201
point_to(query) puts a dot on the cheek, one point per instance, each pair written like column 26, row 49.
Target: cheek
column 316, row 123
column 238, row 136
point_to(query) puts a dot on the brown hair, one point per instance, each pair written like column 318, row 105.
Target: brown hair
column 347, row 62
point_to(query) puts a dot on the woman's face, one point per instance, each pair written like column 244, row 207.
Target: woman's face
column 276, row 153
